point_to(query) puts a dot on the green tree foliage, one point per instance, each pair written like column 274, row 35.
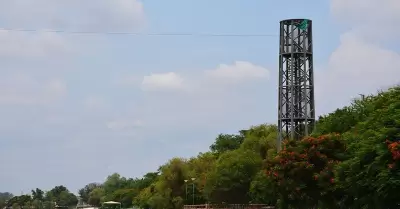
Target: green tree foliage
column 199, row 167
column 226, row 142
column 170, row 187
column 4, row 197
column 304, row 171
column 230, row 180
column 19, row 201
column 84, row 193
column 371, row 175
column 96, row 196
column 113, row 183
column 350, row 161
column 38, row 194
column 15, row 206
column 61, row 196
column 262, row 190
column 39, row 199
column 225, row 174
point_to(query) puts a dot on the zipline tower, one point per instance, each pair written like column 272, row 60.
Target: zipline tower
column 296, row 108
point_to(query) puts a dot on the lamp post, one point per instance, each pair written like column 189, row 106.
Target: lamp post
column 186, row 194
column 186, row 189
column 193, row 179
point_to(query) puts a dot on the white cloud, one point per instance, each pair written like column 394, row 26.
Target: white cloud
column 209, row 96
column 20, row 44
column 356, row 67
column 90, row 15
column 162, row 81
column 361, row 64
column 87, row 15
column 211, row 80
column 366, row 11
column 238, row 72
column 372, row 19
column 21, row 89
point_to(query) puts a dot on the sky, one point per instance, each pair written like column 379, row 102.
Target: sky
column 76, row 108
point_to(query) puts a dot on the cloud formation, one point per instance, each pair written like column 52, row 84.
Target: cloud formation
column 37, row 45
column 47, row 100
column 21, row 89
column 90, row 15
column 363, row 62
column 162, row 81
column 239, row 71
column 180, row 101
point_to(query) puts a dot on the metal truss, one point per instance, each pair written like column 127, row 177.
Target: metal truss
column 296, row 106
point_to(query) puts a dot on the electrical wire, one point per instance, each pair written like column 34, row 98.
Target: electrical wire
column 137, row 34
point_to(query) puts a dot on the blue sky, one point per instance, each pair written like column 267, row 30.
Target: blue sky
column 76, row 108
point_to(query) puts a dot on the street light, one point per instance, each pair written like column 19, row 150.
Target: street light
column 193, row 188
column 186, row 189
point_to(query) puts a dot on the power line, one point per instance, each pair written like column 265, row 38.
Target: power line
column 137, row 34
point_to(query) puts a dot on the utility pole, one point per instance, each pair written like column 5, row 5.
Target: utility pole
column 193, row 188
column 186, row 193
column 186, row 189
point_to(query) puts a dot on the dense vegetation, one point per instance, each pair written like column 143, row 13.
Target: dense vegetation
column 39, row 199
column 350, row 161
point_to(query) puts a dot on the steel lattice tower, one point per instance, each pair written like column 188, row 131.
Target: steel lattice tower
column 296, row 109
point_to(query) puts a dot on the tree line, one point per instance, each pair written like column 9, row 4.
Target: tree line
column 351, row 160
column 58, row 196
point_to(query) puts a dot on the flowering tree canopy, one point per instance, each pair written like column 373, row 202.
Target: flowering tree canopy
column 371, row 176
column 303, row 170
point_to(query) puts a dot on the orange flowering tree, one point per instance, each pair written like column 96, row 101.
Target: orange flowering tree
column 371, row 176
column 303, row 170
column 394, row 149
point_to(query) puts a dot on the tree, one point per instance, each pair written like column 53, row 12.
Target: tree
column 371, row 175
column 38, row 194
column 230, row 179
column 27, row 205
column 125, row 196
column 147, row 180
column 48, row 205
column 199, row 168
column 61, row 196
column 303, row 171
column 113, row 183
column 16, row 206
column 350, row 161
column 85, row 191
column 36, row 203
column 262, row 190
column 167, row 192
column 261, row 139
column 19, row 200
column 171, row 180
column 66, row 198
column 96, row 196
column 226, row 142
column 143, row 199
column 4, row 197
